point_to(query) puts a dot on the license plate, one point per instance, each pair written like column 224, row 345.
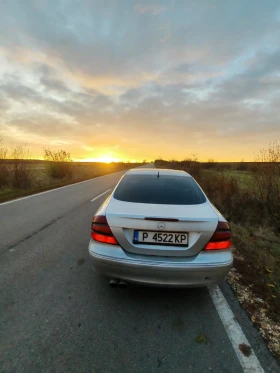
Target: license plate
column 161, row 238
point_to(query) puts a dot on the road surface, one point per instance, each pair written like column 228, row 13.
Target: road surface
column 57, row 315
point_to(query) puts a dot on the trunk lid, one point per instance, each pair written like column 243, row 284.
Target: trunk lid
column 198, row 221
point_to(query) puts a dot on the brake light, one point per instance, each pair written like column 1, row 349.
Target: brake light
column 101, row 232
column 221, row 239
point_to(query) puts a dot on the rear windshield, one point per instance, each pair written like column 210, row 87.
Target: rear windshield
column 163, row 190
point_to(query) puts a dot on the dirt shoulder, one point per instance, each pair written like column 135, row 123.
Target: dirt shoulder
column 255, row 281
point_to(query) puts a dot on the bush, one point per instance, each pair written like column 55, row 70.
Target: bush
column 23, row 171
column 59, row 163
column 4, row 168
column 15, row 170
column 194, row 169
column 221, row 166
column 210, row 164
column 190, row 165
column 4, row 175
column 242, row 166
column 267, row 182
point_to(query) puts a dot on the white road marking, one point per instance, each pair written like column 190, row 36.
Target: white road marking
column 52, row 190
column 100, row 195
column 251, row 363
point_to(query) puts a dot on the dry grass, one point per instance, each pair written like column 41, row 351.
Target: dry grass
column 259, row 265
column 21, row 175
column 42, row 180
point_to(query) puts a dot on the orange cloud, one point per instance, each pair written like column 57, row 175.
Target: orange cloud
column 111, row 84
column 152, row 9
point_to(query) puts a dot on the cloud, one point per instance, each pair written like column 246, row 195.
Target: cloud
column 153, row 79
column 153, row 9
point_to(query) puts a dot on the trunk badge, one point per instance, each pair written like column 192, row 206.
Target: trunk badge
column 161, row 226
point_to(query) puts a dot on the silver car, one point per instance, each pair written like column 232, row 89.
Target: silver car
column 159, row 228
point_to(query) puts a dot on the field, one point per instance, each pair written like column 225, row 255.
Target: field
column 248, row 196
column 25, row 177
column 244, row 178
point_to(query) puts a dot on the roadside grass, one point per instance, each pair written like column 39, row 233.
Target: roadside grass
column 257, row 243
column 259, row 264
column 244, row 178
column 276, row 248
column 11, row 194
column 80, row 172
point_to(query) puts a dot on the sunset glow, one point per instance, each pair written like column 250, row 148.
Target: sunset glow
column 104, row 159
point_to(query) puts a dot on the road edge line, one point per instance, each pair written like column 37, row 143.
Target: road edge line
column 100, row 195
column 250, row 364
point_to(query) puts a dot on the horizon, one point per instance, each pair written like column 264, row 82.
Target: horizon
column 31, row 159
column 134, row 80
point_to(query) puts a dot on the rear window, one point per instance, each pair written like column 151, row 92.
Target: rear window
column 163, row 190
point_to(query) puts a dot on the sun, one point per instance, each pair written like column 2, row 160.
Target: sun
column 107, row 158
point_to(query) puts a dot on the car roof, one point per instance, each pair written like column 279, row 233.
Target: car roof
column 155, row 171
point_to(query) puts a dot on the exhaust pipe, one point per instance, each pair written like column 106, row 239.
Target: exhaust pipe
column 113, row 283
column 122, row 285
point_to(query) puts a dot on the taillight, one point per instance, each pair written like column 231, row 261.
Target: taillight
column 101, row 232
column 221, row 239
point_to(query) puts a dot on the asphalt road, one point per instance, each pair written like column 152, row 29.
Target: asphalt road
column 57, row 315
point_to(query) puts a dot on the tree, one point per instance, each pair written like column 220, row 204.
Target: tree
column 59, row 163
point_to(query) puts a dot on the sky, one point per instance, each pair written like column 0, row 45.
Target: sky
column 134, row 80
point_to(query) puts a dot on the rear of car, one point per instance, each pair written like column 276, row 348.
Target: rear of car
column 159, row 228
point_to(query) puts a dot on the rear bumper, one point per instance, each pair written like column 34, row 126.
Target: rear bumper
column 203, row 270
